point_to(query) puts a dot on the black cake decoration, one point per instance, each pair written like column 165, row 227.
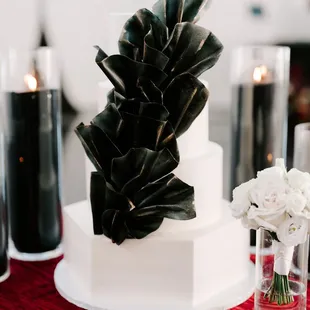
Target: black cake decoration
column 155, row 99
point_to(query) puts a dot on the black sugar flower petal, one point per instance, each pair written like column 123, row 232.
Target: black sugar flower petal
column 140, row 167
column 114, row 227
column 170, row 12
column 150, row 91
column 192, row 8
column 184, row 98
column 192, row 49
column 168, row 197
column 124, row 73
column 98, row 147
column 104, row 197
column 131, row 41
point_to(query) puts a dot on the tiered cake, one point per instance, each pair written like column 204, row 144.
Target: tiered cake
column 195, row 264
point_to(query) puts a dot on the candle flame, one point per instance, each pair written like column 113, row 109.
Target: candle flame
column 260, row 73
column 31, row 82
column 269, row 157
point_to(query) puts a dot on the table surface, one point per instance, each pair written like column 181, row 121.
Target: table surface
column 31, row 285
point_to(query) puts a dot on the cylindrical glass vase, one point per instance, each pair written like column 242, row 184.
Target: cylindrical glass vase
column 301, row 159
column 260, row 88
column 30, row 86
column 272, row 257
column 4, row 255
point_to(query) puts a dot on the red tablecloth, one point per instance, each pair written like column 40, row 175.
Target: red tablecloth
column 31, row 287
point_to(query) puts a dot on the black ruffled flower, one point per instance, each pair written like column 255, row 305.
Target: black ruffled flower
column 134, row 150
column 140, row 198
column 165, row 52
column 156, row 97
column 113, row 132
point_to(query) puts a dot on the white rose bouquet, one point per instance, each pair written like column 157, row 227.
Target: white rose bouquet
column 279, row 202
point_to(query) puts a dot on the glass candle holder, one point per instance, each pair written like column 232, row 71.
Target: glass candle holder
column 267, row 252
column 30, row 86
column 260, row 88
column 4, row 255
column 301, row 159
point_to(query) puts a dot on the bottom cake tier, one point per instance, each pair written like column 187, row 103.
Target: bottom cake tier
column 161, row 272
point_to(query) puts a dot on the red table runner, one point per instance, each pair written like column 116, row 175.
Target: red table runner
column 31, row 287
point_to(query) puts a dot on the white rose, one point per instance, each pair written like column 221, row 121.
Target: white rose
column 270, row 195
column 249, row 224
column 298, row 180
column 263, row 221
column 293, row 231
column 295, row 202
column 241, row 200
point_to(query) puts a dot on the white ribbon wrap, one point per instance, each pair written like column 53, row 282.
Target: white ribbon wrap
column 283, row 256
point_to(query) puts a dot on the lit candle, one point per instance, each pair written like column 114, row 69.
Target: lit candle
column 33, row 163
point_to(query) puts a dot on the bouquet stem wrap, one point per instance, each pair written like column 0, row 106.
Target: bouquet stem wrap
column 279, row 290
column 283, row 256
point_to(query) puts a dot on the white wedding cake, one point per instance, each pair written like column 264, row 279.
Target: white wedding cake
column 184, row 265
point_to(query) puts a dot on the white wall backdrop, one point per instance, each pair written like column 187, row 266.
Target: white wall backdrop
column 74, row 26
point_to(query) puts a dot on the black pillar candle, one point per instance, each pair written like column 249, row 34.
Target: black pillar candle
column 260, row 81
column 33, row 170
column 259, row 130
column 252, row 138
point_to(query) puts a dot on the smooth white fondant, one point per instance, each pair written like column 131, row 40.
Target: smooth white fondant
column 184, row 269
column 70, row 288
column 193, row 143
column 205, row 173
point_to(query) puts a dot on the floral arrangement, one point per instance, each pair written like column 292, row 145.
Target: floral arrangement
column 156, row 97
column 279, row 202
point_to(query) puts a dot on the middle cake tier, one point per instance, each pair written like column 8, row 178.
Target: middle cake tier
column 205, row 174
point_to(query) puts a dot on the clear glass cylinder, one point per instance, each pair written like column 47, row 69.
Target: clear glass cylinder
column 30, row 89
column 267, row 252
column 301, row 160
column 4, row 255
column 260, row 92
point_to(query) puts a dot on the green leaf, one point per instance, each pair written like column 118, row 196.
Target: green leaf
column 170, row 12
column 168, row 197
column 139, row 167
column 184, row 98
column 131, row 42
column 191, row 49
